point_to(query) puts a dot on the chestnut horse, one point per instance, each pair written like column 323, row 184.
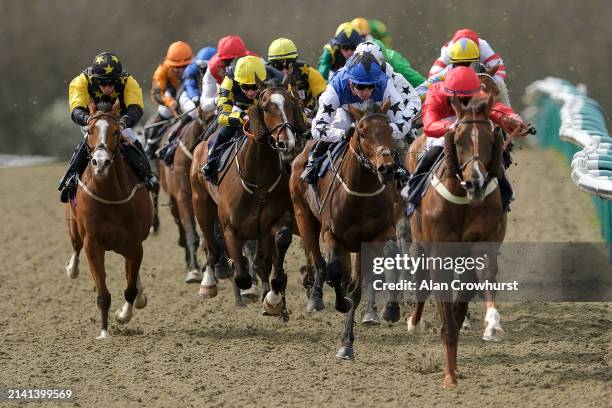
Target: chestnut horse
column 252, row 199
column 463, row 205
column 112, row 211
column 360, row 208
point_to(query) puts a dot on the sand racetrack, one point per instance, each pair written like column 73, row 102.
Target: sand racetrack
column 181, row 351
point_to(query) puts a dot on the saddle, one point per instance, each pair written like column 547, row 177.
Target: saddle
column 333, row 152
column 226, row 149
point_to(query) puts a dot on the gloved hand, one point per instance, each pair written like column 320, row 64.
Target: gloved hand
column 196, row 100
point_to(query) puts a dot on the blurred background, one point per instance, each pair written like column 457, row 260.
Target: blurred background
column 46, row 44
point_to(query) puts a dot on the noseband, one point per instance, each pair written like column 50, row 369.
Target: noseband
column 362, row 157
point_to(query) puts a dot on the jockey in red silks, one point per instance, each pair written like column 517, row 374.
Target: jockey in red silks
column 439, row 117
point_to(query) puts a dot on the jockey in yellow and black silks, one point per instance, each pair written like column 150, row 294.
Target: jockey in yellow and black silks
column 105, row 81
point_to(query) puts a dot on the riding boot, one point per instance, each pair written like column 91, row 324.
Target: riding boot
column 416, row 182
column 507, row 192
column 209, row 169
column 136, row 157
column 76, row 166
column 152, row 138
column 401, row 174
column 316, row 156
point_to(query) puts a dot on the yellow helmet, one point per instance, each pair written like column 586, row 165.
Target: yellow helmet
column 362, row 25
column 282, row 48
column 246, row 69
column 464, row 50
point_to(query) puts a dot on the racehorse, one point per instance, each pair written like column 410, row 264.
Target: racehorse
column 360, row 208
column 252, row 200
column 463, row 205
column 112, row 211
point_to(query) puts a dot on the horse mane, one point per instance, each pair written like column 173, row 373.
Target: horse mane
column 104, row 106
column 452, row 162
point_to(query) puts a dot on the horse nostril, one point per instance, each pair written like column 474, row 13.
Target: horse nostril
column 94, row 162
column 107, row 162
column 469, row 185
column 281, row 145
column 384, row 168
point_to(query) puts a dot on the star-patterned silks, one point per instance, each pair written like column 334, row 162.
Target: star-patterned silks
column 322, row 122
column 304, row 69
column 98, row 94
column 406, row 90
column 114, row 95
column 115, row 59
column 108, row 69
column 328, row 109
column 395, row 108
column 400, row 126
column 100, row 59
column 414, row 110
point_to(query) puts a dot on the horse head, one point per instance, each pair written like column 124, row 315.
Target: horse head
column 372, row 140
column 277, row 118
column 487, row 82
column 103, row 136
column 473, row 149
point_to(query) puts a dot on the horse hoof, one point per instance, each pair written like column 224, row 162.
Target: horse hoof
column 239, row 303
column 154, row 230
column 370, row 318
column 243, row 282
column 343, row 305
column 495, row 335
column 72, row 270
column 193, row 276
column 251, row 294
column 141, row 301
column 223, row 270
column 346, row 353
column 449, row 382
column 391, row 312
column 315, row 305
column 270, row 306
column 104, row 335
column 208, row 292
column 466, row 325
column 421, row 328
column 122, row 319
column 283, row 317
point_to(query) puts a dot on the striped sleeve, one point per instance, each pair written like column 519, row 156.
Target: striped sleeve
column 442, row 62
column 225, row 104
column 490, row 58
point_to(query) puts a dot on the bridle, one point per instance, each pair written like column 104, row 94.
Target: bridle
column 474, row 139
column 101, row 146
column 361, row 156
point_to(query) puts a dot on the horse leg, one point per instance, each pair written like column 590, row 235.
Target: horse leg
column 417, row 325
column 493, row 330
column 95, row 258
column 370, row 316
column 404, row 241
column 275, row 302
column 250, row 252
column 133, row 260
column 334, row 271
column 391, row 311
column 346, row 351
column 223, row 269
column 206, row 214
column 155, row 198
column 72, row 266
column 192, row 240
column 175, row 215
column 234, row 247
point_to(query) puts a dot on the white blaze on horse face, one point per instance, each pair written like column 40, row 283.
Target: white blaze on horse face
column 101, row 156
column 279, row 100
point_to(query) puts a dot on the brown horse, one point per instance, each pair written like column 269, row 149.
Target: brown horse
column 360, row 208
column 176, row 183
column 463, row 205
column 252, row 199
column 112, row 211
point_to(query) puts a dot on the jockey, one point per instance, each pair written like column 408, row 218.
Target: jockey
column 237, row 93
column 229, row 49
column 167, row 81
column 379, row 32
column 439, row 118
column 306, row 83
column 454, row 54
column 362, row 80
column 363, row 26
column 106, row 81
column 410, row 98
column 339, row 49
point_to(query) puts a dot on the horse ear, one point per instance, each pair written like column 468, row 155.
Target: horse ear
column 493, row 70
column 260, row 84
column 356, row 113
column 457, row 106
column 385, row 106
column 116, row 107
column 91, row 106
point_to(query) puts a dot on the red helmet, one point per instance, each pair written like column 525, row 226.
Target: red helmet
column 461, row 81
column 465, row 33
column 231, row 47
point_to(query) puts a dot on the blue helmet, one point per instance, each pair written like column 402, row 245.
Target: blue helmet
column 204, row 55
column 363, row 69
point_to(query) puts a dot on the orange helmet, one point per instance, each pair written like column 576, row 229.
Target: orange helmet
column 179, row 54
